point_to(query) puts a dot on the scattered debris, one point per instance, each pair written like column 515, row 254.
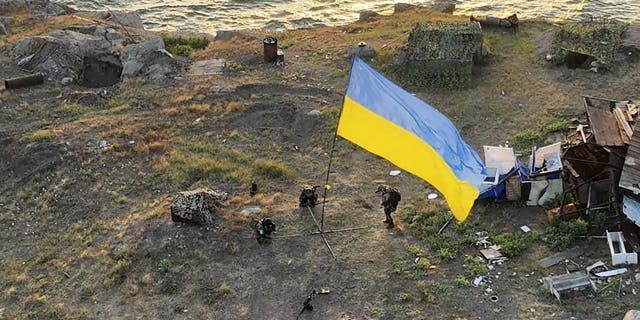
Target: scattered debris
column 611, row 273
column 525, row 229
column 432, row 196
column 557, row 258
column 493, row 254
column 494, row 298
column 619, row 254
column 569, row 281
column 394, row 173
column 25, row 81
column 511, row 21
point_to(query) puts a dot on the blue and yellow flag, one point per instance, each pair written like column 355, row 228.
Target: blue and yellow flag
column 384, row 119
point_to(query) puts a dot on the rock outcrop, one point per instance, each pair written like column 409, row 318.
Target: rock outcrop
column 90, row 56
column 150, row 60
column 197, row 206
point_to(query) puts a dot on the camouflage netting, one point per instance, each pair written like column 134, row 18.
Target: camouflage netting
column 440, row 54
column 600, row 40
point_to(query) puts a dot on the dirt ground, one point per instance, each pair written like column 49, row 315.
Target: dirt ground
column 88, row 182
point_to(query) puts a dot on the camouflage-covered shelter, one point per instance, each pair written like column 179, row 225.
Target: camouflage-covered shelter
column 440, row 54
column 587, row 44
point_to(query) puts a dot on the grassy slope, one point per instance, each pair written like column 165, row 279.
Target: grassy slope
column 87, row 232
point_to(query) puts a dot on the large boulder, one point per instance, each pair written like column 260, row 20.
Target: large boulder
column 150, row 60
column 197, row 206
column 66, row 54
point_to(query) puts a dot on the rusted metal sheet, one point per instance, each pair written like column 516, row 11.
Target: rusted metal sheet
column 630, row 178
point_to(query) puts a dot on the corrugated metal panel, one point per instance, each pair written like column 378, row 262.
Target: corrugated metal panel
column 630, row 178
column 631, row 208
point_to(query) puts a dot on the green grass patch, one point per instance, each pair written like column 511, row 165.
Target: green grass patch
column 114, row 102
column 526, row 139
column 474, row 266
column 199, row 161
column 462, row 282
column 213, row 293
column 70, row 110
column 512, row 244
column 272, row 169
column 425, row 225
column 184, row 46
column 557, row 126
column 561, row 235
column 43, row 135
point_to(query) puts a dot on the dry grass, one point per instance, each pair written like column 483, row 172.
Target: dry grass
column 199, row 108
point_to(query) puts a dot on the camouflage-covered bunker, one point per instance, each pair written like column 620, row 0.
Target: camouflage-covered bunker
column 440, row 54
column 587, row 44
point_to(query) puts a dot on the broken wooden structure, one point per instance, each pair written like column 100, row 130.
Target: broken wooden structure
column 566, row 282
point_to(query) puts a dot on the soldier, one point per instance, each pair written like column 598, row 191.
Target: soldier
column 308, row 196
column 264, row 228
column 390, row 198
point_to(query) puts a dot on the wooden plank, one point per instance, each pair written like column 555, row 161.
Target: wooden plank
column 604, row 127
column 622, row 121
column 556, row 258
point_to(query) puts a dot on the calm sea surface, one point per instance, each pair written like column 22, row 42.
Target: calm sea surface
column 212, row 15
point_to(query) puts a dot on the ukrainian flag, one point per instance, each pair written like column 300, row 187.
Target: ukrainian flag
column 383, row 118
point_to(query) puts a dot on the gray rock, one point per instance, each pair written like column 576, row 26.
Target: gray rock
column 402, row 7
column 251, row 210
column 631, row 38
column 150, row 60
column 444, row 7
column 70, row 54
column 126, row 18
column 315, row 113
column 7, row 5
column 361, row 50
column 111, row 35
column 48, row 7
column 225, row 35
column 367, row 15
column 632, row 315
column 197, row 206
column 28, row 46
column 5, row 25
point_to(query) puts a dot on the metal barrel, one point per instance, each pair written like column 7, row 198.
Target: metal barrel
column 25, row 81
column 270, row 49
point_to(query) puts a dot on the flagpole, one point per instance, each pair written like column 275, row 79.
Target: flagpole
column 333, row 146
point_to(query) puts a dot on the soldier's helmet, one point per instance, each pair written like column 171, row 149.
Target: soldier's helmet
column 381, row 188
